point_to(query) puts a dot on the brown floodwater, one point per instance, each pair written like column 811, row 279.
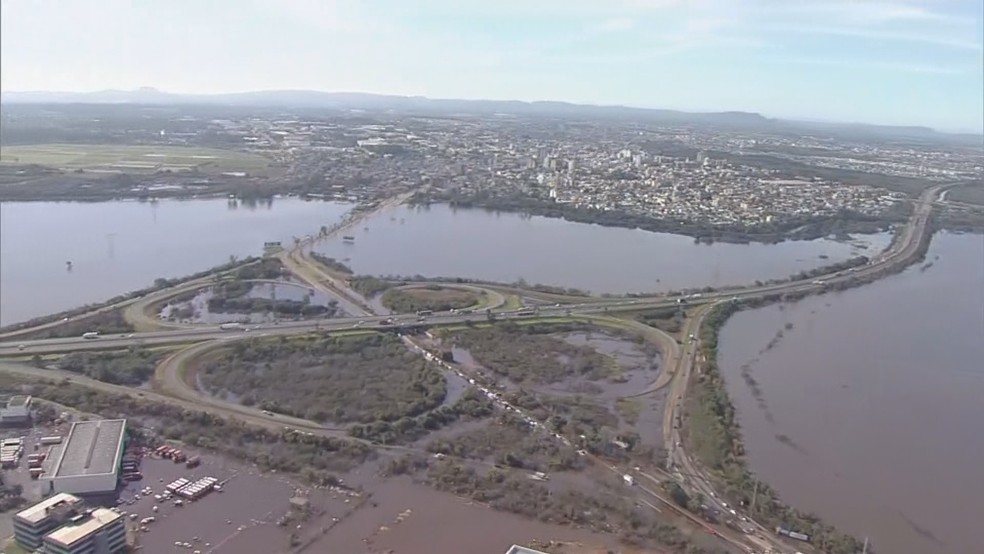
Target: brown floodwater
column 413, row 519
column 866, row 406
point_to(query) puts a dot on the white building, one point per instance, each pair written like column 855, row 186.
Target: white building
column 15, row 410
column 99, row 531
column 89, row 459
column 31, row 524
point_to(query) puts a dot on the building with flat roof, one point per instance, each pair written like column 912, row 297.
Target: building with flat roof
column 99, row 531
column 89, row 459
column 15, row 410
column 31, row 524
column 516, row 549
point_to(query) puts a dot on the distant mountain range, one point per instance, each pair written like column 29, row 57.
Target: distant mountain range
column 423, row 105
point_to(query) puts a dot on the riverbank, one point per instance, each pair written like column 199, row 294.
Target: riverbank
column 802, row 375
column 792, row 228
column 714, row 435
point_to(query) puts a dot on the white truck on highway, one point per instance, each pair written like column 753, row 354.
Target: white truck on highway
column 230, row 326
column 90, row 335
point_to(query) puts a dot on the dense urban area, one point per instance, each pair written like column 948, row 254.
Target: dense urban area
column 368, row 411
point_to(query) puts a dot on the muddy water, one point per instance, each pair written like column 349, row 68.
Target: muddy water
column 414, row 519
column 639, row 370
column 116, row 247
column 880, row 391
column 278, row 291
column 456, row 386
column 216, row 519
column 443, row 242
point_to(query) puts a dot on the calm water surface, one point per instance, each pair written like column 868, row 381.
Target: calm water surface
column 443, row 242
column 881, row 391
column 116, row 247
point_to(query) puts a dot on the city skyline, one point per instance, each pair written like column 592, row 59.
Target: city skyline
column 896, row 62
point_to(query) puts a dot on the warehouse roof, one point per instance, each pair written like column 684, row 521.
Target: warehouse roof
column 92, row 448
column 43, row 509
column 18, row 401
column 69, row 534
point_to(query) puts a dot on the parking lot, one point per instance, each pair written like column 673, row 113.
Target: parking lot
column 19, row 474
column 162, row 524
column 253, row 512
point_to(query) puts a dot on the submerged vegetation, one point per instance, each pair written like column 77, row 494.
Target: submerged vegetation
column 361, row 379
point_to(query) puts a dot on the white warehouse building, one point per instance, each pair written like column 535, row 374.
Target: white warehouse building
column 15, row 409
column 88, row 460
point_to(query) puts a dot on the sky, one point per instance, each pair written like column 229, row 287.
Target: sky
column 900, row 62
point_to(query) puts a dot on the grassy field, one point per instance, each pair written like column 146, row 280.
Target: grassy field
column 971, row 194
column 132, row 158
column 439, row 299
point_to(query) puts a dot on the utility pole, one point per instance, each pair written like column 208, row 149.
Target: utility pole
column 865, row 551
column 751, row 507
column 111, row 244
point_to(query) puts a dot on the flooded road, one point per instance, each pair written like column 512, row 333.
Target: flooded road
column 443, row 242
column 117, row 247
column 866, row 406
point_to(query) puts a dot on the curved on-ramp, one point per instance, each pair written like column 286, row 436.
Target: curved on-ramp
column 173, row 373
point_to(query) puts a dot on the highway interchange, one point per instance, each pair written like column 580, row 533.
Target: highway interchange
column 680, row 359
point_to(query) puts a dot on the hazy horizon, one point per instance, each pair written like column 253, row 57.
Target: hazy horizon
column 889, row 62
column 805, row 119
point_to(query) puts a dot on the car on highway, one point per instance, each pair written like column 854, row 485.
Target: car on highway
column 21, row 346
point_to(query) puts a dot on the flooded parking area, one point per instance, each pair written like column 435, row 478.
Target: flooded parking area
column 253, row 513
column 205, row 524
column 402, row 516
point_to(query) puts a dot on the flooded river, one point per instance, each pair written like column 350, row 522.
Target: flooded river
column 880, row 391
column 116, row 247
column 443, row 242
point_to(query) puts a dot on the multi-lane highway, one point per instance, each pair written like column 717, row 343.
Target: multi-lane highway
column 680, row 361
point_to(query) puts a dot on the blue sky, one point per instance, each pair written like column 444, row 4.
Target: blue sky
column 915, row 62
